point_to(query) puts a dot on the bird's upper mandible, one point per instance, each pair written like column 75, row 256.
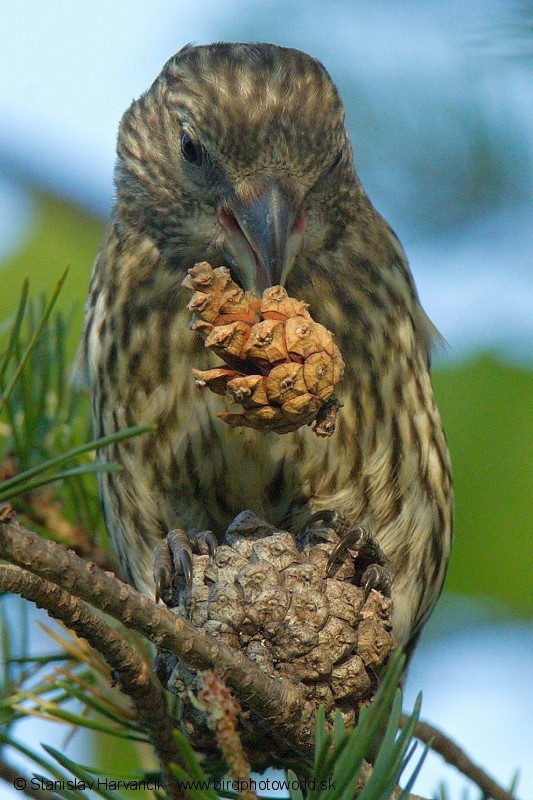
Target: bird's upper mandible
column 262, row 233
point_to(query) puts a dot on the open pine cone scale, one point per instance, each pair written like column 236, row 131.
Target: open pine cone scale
column 281, row 365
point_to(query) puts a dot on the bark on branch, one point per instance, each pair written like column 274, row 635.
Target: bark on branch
column 273, row 699
column 441, row 743
column 133, row 673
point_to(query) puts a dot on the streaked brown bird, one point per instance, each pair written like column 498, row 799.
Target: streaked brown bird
column 238, row 155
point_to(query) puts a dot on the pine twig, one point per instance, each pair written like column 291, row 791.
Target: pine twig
column 133, row 673
column 45, row 509
column 222, row 713
column 274, row 699
column 441, row 743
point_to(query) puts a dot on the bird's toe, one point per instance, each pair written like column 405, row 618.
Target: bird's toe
column 373, row 569
column 173, row 563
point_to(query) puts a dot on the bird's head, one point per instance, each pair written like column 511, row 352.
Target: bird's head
column 237, row 154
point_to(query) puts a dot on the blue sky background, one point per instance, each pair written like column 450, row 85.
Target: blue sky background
column 439, row 101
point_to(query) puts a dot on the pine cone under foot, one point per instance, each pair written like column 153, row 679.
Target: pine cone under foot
column 262, row 595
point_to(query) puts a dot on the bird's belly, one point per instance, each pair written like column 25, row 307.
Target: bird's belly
column 225, row 470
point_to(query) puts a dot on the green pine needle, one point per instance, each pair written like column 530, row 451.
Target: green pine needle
column 33, row 341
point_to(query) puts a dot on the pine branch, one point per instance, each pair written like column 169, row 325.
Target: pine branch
column 133, row 673
column 455, row 755
column 55, row 578
column 59, row 581
column 274, row 699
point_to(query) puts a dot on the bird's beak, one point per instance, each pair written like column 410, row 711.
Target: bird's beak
column 261, row 236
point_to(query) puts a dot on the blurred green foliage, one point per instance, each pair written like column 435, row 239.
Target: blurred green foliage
column 487, row 407
column 486, row 404
column 63, row 236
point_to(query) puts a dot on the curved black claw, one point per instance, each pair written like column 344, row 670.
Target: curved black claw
column 172, row 558
column 181, row 550
column 331, row 520
column 212, row 544
column 353, row 539
column 378, row 577
column 163, row 569
column 373, row 569
column 328, row 517
column 203, row 542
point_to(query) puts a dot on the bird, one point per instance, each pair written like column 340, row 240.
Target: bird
column 238, row 155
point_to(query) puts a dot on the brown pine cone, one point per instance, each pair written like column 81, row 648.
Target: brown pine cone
column 281, row 364
column 263, row 595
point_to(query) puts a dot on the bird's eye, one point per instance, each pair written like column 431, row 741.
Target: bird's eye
column 190, row 150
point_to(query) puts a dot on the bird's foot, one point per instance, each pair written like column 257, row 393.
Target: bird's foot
column 373, row 568
column 173, row 564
